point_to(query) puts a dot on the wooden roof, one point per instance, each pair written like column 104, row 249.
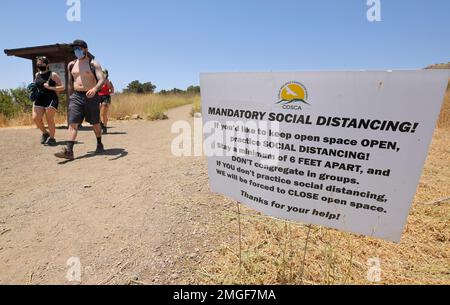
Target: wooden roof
column 54, row 53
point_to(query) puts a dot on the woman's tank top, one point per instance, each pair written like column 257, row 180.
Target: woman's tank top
column 41, row 79
column 105, row 90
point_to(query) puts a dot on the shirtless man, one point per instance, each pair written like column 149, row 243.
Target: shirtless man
column 86, row 79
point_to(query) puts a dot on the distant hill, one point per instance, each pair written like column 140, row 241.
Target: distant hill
column 439, row 66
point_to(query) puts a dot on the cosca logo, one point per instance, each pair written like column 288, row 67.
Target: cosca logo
column 293, row 96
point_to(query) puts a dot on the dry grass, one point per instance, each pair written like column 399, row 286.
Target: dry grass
column 25, row 119
column 150, row 106
column 444, row 118
column 439, row 66
column 196, row 107
column 273, row 249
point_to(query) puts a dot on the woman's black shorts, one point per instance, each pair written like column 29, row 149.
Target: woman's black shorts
column 105, row 99
column 47, row 103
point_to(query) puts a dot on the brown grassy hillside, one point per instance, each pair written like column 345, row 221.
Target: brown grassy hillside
column 444, row 118
column 439, row 66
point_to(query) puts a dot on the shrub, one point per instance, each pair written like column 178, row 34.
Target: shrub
column 8, row 108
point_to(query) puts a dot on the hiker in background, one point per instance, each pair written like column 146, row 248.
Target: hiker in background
column 48, row 84
column 85, row 81
column 105, row 102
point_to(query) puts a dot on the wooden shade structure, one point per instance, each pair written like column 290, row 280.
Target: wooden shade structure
column 56, row 53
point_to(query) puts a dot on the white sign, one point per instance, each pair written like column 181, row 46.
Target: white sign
column 59, row 68
column 343, row 150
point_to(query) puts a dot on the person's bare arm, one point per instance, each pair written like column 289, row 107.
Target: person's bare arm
column 59, row 86
column 70, row 78
column 101, row 80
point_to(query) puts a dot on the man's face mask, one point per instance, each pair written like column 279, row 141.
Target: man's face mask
column 79, row 53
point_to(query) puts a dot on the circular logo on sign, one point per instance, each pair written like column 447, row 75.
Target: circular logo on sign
column 293, row 93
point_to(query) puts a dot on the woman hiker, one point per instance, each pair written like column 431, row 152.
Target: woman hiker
column 105, row 96
column 49, row 84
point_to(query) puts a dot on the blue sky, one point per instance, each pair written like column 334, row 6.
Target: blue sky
column 170, row 42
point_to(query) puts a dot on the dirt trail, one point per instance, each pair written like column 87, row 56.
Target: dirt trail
column 136, row 213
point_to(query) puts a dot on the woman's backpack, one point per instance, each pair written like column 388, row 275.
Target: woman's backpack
column 33, row 92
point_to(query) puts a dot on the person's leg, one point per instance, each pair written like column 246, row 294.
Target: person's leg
column 98, row 134
column 97, row 130
column 104, row 114
column 38, row 114
column 67, row 152
column 101, row 115
column 93, row 117
column 76, row 116
column 73, row 132
column 50, row 116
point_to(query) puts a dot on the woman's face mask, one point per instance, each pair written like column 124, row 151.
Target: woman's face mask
column 42, row 68
column 79, row 53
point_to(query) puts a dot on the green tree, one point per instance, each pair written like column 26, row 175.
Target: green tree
column 21, row 98
column 176, row 91
column 139, row 88
column 134, row 87
column 7, row 105
column 193, row 90
column 148, row 87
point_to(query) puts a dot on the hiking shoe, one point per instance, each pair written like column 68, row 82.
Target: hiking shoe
column 100, row 149
column 51, row 142
column 44, row 138
column 65, row 154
